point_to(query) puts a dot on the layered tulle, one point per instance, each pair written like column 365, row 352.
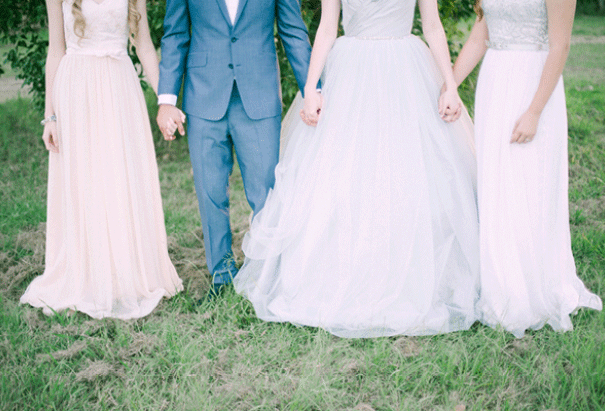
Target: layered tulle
column 106, row 248
column 372, row 226
column 528, row 275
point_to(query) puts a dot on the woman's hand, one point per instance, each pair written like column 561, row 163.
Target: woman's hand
column 311, row 110
column 450, row 104
column 525, row 128
column 50, row 137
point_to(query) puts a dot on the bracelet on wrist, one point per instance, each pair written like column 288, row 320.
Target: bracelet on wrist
column 48, row 119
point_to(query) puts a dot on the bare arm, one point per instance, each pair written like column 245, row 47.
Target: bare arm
column 473, row 51
column 145, row 49
column 450, row 105
column 324, row 40
column 56, row 50
column 560, row 21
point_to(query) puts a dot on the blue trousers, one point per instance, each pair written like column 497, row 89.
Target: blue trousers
column 211, row 145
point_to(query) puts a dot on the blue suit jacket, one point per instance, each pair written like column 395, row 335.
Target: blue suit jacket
column 201, row 44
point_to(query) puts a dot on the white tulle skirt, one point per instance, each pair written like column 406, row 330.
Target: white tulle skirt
column 371, row 229
column 528, row 275
column 106, row 248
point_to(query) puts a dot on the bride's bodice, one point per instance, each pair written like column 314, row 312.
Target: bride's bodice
column 516, row 22
column 378, row 18
column 106, row 31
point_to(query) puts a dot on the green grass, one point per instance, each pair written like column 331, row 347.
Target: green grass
column 24, row 169
column 589, row 26
column 219, row 356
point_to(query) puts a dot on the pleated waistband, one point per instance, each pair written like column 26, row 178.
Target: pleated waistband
column 118, row 54
column 380, row 37
column 516, row 46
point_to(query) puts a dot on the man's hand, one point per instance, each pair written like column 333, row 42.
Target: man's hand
column 170, row 119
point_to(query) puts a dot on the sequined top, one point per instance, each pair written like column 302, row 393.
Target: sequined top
column 516, row 22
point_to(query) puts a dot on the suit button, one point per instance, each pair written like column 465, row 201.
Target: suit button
column 233, row 39
column 230, row 66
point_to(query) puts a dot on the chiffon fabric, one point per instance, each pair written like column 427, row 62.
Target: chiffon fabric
column 528, row 274
column 106, row 248
column 371, row 229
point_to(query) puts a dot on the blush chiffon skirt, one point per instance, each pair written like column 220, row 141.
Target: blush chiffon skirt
column 106, row 248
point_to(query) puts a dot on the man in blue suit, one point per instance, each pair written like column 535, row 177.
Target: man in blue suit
column 225, row 50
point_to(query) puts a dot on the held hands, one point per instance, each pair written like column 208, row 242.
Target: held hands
column 525, row 128
column 50, row 137
column 450, row 104
column 170, row 119
column 311, row 110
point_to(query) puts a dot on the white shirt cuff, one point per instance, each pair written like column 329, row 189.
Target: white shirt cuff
column 167, row 99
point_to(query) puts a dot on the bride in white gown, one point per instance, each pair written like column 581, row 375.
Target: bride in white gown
column 371, row 229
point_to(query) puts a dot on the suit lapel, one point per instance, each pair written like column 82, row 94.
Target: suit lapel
column 240, row 7
column 223, row 6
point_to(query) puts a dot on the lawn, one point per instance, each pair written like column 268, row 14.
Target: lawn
column 218, row 356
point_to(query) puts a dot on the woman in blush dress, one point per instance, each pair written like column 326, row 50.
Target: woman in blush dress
column 371, row 229
column 106, row 249
column 528, row 275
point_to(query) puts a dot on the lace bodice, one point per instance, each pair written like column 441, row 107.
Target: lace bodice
column 512, row 22
column 378, row 18
column 106, row 32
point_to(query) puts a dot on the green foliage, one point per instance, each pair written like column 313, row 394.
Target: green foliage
column 22, row 25
column 591, row 6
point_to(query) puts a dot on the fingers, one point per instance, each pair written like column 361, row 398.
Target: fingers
column 457, row 114
column 180, row 124
column 449, row 108
column 54, row 143
column 51, row 145
column 51, row 142
column 520, row 137
column 310, row 119
column 170, row 129
column 517, row 136
column 169, row 120
column 164, row 125
column 47, row 144
column 451, row 114
column 181, row 128
column 524, row 138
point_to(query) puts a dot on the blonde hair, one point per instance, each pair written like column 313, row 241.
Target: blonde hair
column 80, row 22
column 478, row 9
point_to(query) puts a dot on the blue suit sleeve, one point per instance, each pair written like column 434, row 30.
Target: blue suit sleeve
column 175, row 46
column 295, row 37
